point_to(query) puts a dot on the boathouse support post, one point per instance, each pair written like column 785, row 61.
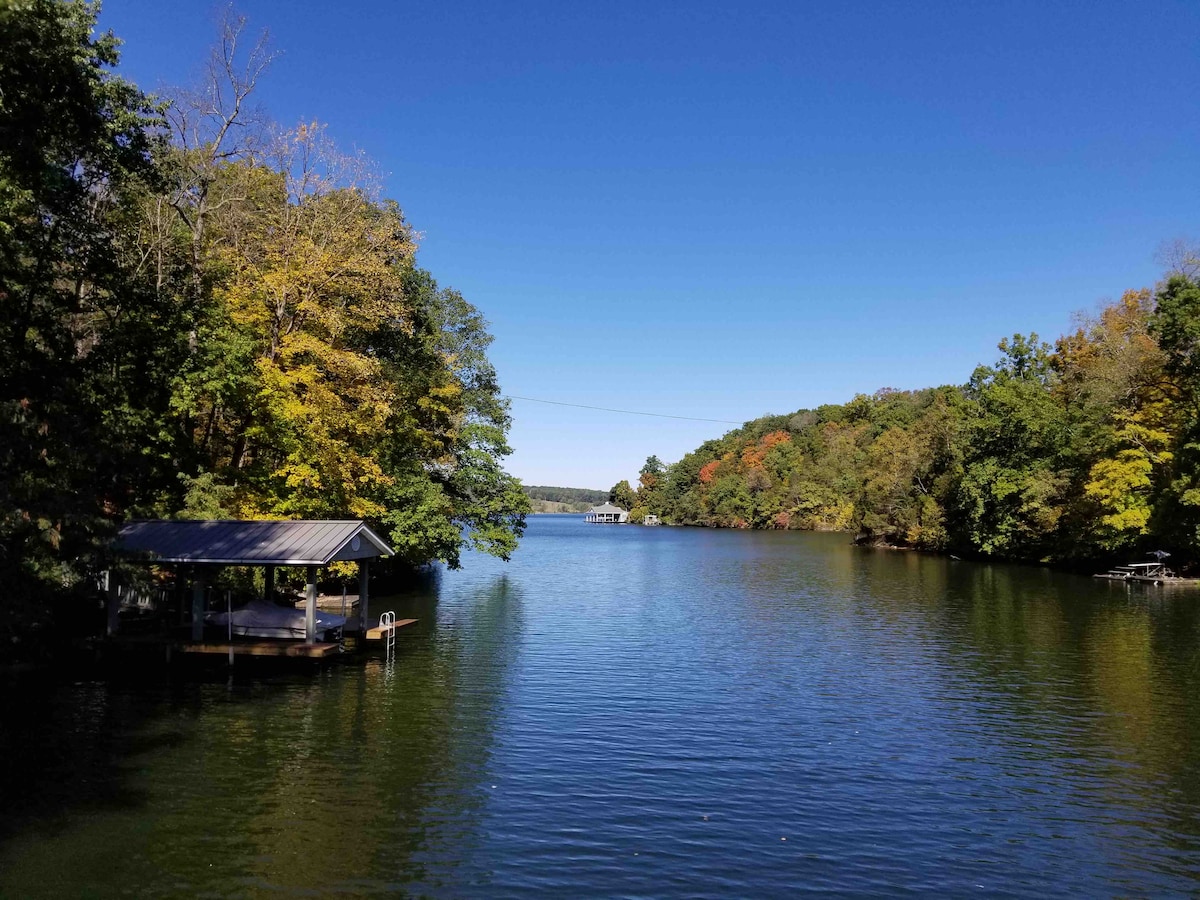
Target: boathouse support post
column 310, row 607
column 180, row 590
column 364, row 621
column 198, row 587
column 269, row 588
column 112, row 602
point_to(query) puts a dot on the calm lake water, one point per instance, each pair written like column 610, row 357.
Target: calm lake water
column 645, row 712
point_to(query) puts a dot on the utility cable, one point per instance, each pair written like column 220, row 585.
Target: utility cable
column 628, row 412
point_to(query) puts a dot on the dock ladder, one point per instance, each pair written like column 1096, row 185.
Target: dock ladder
column 387, row 624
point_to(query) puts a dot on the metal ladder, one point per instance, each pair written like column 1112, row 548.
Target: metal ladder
column 387, row 622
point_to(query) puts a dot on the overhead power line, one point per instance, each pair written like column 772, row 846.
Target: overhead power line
column 628, row 412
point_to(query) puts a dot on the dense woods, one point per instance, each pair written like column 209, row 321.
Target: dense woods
column 1077, row 450
column 565, row 494
column 208, row 315
column 547, row 499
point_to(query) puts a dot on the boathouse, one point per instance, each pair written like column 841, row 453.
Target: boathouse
column 196, row 548
column 607, row 514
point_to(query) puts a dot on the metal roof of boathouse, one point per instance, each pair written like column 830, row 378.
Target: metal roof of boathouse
column 298, row 542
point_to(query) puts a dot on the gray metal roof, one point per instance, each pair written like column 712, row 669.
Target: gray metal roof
column 607, row 508
column 253, row 543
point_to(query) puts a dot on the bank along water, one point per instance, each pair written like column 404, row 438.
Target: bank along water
column 662, row 712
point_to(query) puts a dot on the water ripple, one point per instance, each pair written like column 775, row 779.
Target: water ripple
column 652, row 713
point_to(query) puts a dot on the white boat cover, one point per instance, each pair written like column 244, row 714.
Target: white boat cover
column 258, row 618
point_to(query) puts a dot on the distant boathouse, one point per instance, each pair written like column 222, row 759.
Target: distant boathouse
column 607, row 514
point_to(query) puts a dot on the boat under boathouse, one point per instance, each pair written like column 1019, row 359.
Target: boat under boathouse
column 196, row 549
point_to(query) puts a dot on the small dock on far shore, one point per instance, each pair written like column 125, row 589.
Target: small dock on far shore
column 1147, row 573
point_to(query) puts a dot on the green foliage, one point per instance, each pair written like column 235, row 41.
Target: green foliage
column 565, row 495
column 328, row 375
column 205, row 497
column 1011, row 494
column 78, row 363
column 1176, row 325
column 623, row 495
column 1088, row 448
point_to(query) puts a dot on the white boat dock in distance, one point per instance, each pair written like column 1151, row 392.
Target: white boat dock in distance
column 607, row 514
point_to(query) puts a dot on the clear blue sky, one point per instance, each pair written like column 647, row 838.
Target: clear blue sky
column 724, row 210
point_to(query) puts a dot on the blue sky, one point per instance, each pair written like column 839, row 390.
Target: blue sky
column 721, row 210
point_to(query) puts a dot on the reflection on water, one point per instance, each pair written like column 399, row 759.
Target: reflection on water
column 666, row 712
column 329, row 782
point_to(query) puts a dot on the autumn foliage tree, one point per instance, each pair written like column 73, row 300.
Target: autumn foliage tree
column 1076, row 451
column 328, row 374
column 208, row 315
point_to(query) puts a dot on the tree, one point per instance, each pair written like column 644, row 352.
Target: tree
column 328, row 375
column 623, row 495
column 485, row 503
column 76, row 152
column 1176, row 323
column 310, row 262
column 650, row 487
column 1010, row 498
column 1121, row 411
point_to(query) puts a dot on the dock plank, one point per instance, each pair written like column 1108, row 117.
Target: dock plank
column 264, row 648
column 379, row 632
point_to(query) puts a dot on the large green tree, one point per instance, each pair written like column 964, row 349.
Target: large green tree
column 330, row 375
column 1176, row 323
column 82, row 339
column 448, row 479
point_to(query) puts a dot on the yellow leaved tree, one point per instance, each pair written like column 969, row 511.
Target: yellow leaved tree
column 312, row 267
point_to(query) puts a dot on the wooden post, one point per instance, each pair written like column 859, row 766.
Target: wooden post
column 363, row 614
column 310, row 607
column 180, row 572
column 229, row 624
column 198, row 608
column 269, row 590
column 112, row 602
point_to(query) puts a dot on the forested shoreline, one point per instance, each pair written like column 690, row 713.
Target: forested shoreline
column 1077, row 451
column 209, row 315
column 548, row 499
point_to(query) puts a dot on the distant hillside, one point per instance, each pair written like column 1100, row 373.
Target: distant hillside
column 563, row 499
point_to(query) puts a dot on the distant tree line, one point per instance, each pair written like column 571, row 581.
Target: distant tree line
column 1077, row 450
column 207, row 315
column 565, row 495
column 562, row 500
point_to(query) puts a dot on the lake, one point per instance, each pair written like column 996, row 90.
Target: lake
column 649, row 712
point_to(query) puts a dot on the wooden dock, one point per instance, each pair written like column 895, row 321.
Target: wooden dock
column 279, row 649
column 1160, row 580
column 380, row 632
column 293, row 649
column 1148, row 573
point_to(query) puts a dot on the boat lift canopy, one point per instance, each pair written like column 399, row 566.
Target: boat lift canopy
column 206, row 542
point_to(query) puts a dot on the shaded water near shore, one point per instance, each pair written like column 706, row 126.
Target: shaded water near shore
column 663, row 712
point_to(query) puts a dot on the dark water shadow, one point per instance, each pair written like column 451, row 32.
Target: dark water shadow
column 71, row 748
column 378, row 764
